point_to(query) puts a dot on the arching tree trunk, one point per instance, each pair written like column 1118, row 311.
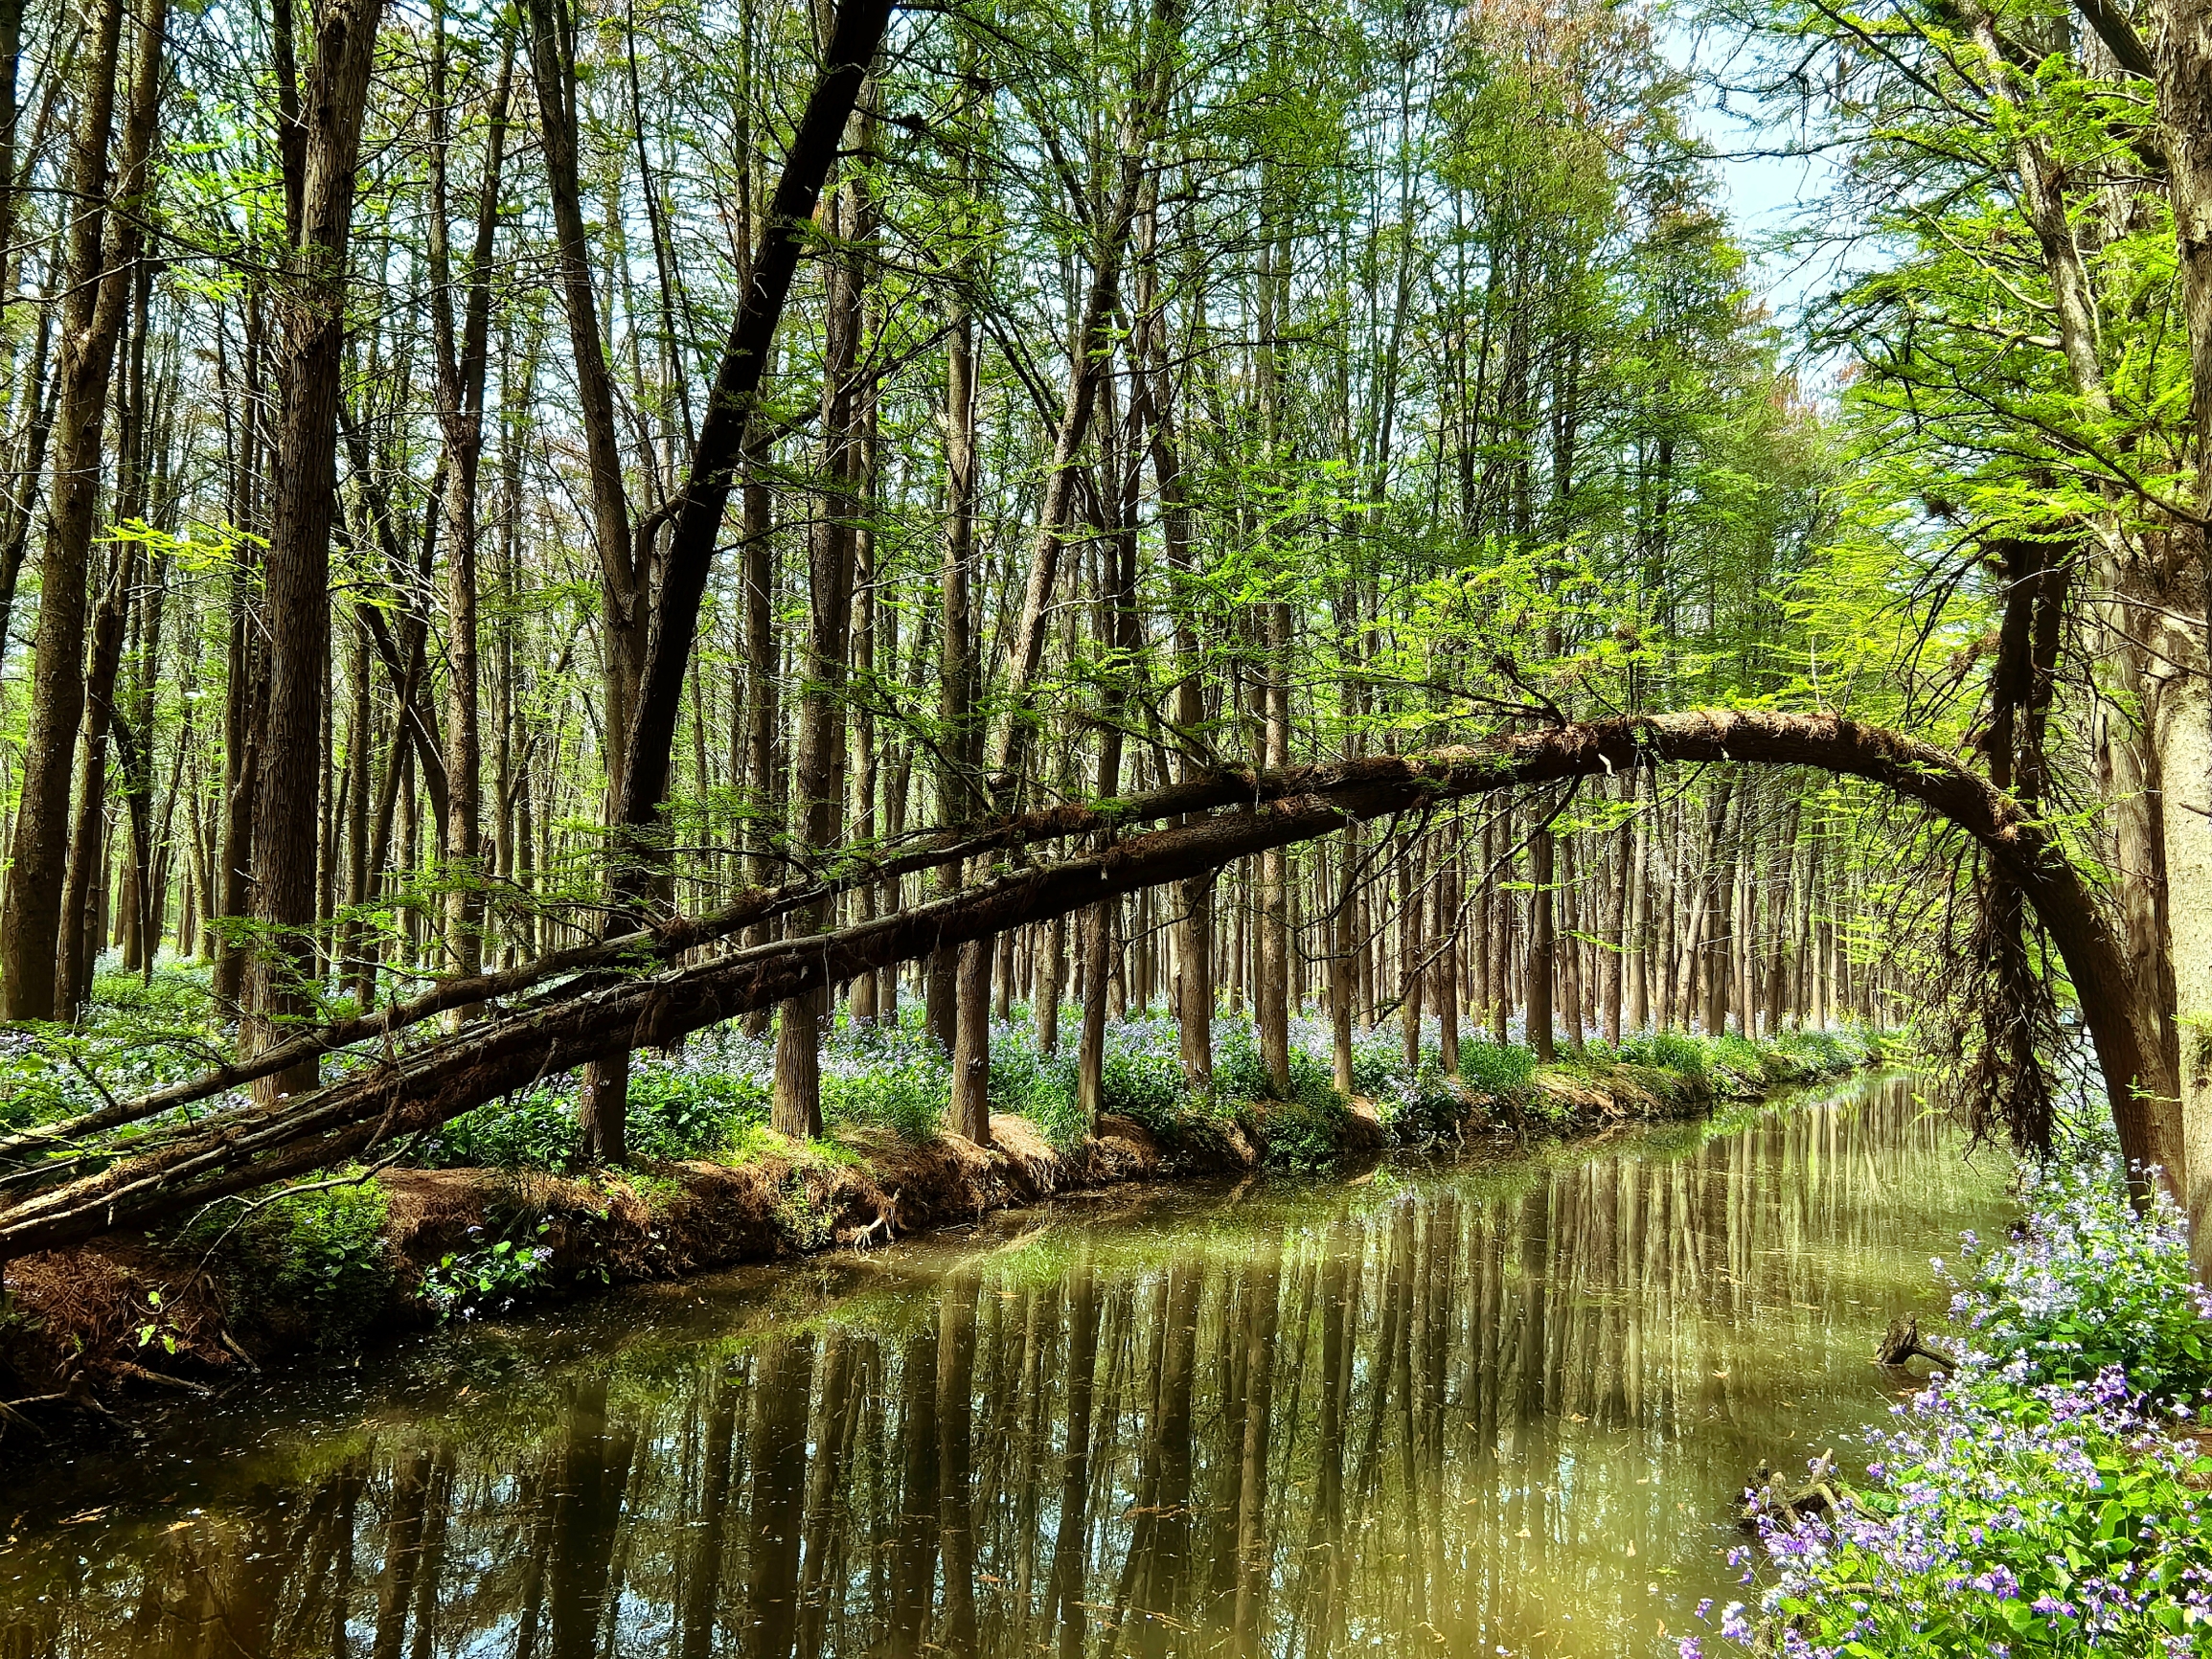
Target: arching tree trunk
column 237, row 1150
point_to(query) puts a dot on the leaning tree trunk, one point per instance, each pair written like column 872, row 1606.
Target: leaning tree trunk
column 414, row 1092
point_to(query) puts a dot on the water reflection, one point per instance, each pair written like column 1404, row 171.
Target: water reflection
column 1451, row 1411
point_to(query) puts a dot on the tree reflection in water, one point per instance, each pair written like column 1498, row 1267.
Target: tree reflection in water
column 1451, row 1410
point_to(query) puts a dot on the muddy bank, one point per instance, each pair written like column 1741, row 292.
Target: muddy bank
column 317, row 1274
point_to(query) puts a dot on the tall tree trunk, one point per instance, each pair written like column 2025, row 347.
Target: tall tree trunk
column 819, row 779
column 308, row 367
column 1542, row 942
column 604, row 1094
column 959, row 748
column 461, row 368
column 1713, row 940
column 92, row 315
column 1271, row 1003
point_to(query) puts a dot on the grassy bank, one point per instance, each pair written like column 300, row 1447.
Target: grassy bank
column 2047, row 1497
column 494, row 1213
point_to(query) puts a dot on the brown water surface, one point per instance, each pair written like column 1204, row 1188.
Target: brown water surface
column 1484, row 1407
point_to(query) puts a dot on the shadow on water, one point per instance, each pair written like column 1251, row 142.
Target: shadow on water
column 1462, row 1409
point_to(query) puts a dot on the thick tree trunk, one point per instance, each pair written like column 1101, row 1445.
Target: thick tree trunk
column 297, row 586
column 1343, row 969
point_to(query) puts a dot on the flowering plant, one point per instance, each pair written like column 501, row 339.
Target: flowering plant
column 2089, row 1286
column 2046, row 1499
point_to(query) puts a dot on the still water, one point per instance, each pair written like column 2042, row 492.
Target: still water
column 1486, row 1408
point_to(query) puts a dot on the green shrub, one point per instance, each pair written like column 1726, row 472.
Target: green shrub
column 1148, row 1087
column 319, row 1259
column 1037, row 1086
column 680, row 1113
column 490, row 1276
column 1733, row 1052
column 1305, row 1136
column 674, row 1112
column 1672, row 1051
column 2090, row 1285
column 1377, row 1064
column 1502, row 1071
column 904, row 1087
column 534, row 1132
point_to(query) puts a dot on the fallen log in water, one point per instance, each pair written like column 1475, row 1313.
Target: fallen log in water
column 1902, row 1344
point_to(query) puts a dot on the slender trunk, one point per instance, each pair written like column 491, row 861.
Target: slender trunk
column 461, row 368
column 1542, row 944
column 958, row 749
column 831, row 552
column 1271, row 1004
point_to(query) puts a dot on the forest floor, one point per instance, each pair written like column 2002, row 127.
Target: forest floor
column 492, row 1214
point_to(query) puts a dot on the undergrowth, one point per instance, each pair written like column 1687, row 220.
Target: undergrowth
column 709, row 1096
column 318, row 1263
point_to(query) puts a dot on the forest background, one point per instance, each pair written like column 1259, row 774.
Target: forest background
column 487, row 482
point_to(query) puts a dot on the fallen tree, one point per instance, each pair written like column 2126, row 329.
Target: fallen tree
column 174, row 1171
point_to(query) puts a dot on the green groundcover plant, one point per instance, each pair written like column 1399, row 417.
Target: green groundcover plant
column 2049, row 1499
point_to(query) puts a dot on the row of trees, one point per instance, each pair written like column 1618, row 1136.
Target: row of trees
column 713, row 454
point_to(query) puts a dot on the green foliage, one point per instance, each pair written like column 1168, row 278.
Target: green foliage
column 1147, row 1086
column 1303, row 1136
column 490, row 1276
column 804, row 1221
column 1240, row 1074
column 318, row 1259
column 2040, row 1501
column 673, row 1113
column 2091, row 1286
column 1428, row 1108
column 686, row 1113
column 884, row 1078
column 1041, row 1087
column 1670, row 1051
column 1501, row 1071
column 1733, row 1052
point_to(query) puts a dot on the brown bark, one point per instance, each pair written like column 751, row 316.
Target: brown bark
column 92, row 316
column 308, row 363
